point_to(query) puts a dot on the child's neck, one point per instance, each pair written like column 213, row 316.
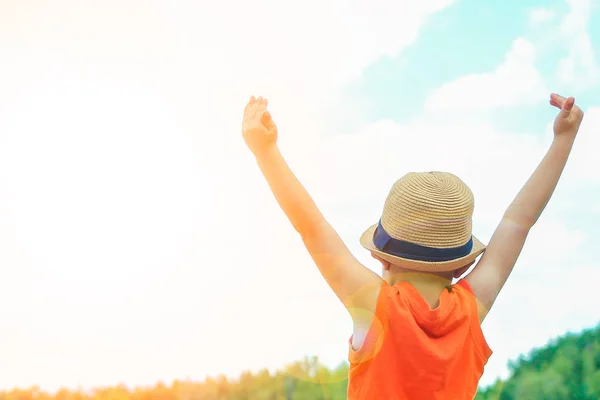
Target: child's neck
column 419, row 278
column 428, row 285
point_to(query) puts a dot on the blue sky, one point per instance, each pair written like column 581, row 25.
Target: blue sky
column 140, row 243
column 468, row 38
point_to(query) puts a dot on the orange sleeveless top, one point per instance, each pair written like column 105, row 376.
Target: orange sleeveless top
column 414, row 353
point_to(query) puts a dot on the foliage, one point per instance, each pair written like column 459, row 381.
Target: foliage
column 567, row 368
column 303, row 380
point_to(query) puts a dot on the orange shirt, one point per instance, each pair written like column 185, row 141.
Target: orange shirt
column 414, row 353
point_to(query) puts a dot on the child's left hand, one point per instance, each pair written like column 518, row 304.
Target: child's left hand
column 569, row 119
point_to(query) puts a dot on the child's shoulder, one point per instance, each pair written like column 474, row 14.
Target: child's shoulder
column 481, row 309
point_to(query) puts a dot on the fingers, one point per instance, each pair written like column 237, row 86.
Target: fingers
column 256, row 107
column 268, row 122
column 565, row 104
column 266, row 118
column 249, row 105
column 557, row 100
column 568, row 104
column 259, row 100
column 261, row 107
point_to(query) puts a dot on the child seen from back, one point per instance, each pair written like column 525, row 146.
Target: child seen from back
column 415, row 335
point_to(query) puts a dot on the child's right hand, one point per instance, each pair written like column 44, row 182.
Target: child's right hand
column 569, row 119
column 258, row 128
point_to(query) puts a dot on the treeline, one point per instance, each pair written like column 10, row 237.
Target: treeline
column 567, row 368
column 304, row 380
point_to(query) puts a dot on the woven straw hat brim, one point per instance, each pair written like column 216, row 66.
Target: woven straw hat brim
column 366, row 240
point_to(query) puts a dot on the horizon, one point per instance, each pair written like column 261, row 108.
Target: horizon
column 236, row 378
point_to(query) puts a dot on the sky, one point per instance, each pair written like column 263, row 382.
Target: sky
column 138, row 239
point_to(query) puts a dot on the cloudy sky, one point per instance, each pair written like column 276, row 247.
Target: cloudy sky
column 138, row 240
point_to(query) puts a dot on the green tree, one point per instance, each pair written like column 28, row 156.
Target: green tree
column 548, row 385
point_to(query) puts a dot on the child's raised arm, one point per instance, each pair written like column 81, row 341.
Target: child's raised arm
column 489, row 276
column 355, row 285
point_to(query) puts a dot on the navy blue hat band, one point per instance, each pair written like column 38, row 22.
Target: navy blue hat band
column 412, row 251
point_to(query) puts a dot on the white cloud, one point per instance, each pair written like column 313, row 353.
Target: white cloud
column 581, row 168
column 515, row 82
column 578, row 18
column 556, row 33
column 541, row 15
column 579, row 68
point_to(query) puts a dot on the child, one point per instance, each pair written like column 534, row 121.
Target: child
column 416, row 336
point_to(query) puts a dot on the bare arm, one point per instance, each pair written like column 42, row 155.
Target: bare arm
column 354, row 284
column 498, row 261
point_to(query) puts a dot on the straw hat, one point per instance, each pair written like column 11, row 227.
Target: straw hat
column 426, row 224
